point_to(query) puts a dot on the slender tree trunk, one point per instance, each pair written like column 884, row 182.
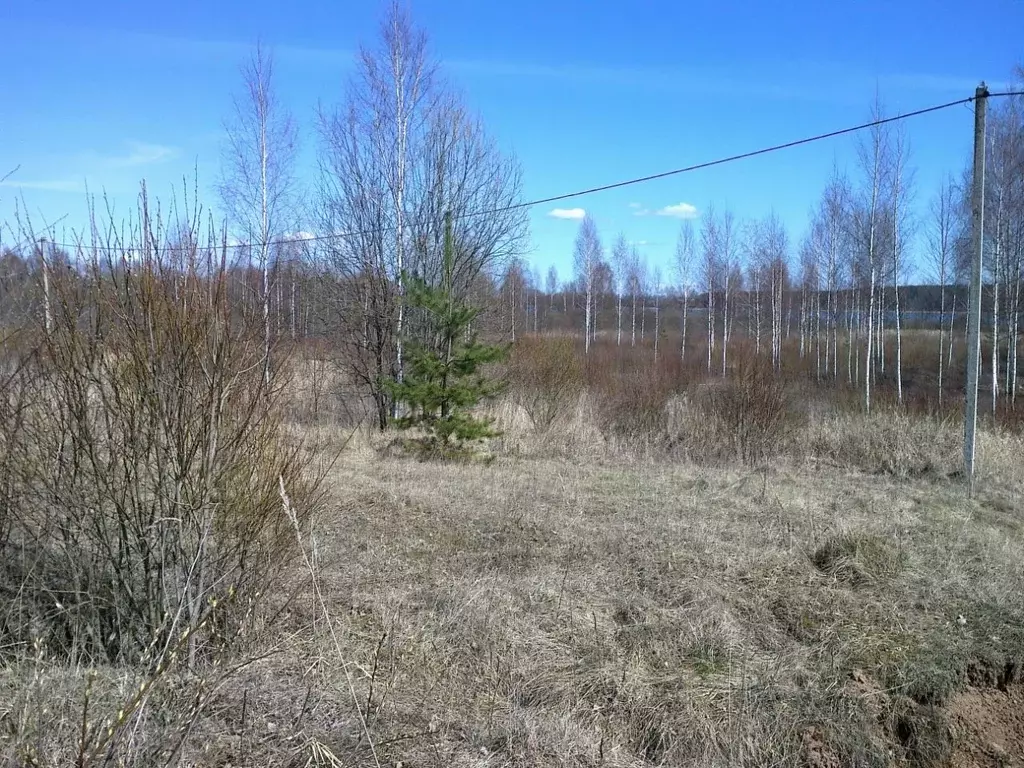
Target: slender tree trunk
column 952, row 319
column 633, row 322
column 789, row 311
column 880, row 331
column 803, row 322
column 264, row 230
column 854, row 336
column 725, row 325
column 835, row 336
column 995, row 336
column 292, row 311
column 757, row 317
column 657, row 328
column 776, row 330
column 898, row 321
column 817, row 334
column 1013, row 338
column 1012, row 274
column 711, row 326
column 871, row 303
column 618, row 322
column 853, row 339
column 587, row 319
column 512, row 308
column 44, row 268
column 848, row 305
column 942, row 328
column 682, row 346
column 830, row 322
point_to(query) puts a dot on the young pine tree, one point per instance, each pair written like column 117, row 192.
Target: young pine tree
column 443, row 381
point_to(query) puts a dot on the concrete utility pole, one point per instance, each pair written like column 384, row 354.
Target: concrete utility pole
column 974, row 312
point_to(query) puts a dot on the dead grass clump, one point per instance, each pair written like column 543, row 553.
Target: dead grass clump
column 891, row 442
column 428, row 449
column 922, row 731
column 858, row 558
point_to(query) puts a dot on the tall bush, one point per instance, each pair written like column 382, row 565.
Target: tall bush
column 142, row 483
column 750, row 409
column 545, row 378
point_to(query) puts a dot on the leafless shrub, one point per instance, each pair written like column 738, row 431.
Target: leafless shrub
column 545, row 378
column 636, row 409
column 750, row 410
column 145, row 452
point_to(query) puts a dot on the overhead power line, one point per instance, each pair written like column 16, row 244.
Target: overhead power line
column 617, row 184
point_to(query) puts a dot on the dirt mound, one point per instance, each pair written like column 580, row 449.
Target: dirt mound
column 981, row 725
column 987, row 727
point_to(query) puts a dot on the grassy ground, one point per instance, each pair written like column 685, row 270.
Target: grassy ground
column 583, row 604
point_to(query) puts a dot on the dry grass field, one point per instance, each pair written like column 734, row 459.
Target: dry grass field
column 586, row 601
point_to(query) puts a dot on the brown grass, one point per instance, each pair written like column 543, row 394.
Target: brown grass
column 597, row 596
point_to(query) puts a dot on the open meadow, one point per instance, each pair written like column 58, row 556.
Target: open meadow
column 590, row 596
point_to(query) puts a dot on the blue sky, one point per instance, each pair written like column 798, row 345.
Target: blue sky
column 584, row 93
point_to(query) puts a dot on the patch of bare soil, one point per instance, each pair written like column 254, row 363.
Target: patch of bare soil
column 817, row 752
column 987, row 727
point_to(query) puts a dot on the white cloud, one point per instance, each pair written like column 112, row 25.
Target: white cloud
column 679, row 211
column 635, row 205
column 136, row 154
column 568, row 213
column 141, row 153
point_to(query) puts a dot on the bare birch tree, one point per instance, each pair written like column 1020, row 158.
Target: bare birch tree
column 776, row 257
column 1005, row 236
column 515, row 292
column 257, row 184
column 642, row 286
column 731, row 276
column 551, row 284
column 832, row 218
column 711, row 260
column 400, row 156
column 683, row 267
column 873, row 155
column 635, row 279
column 752, row 245
column 586, row 256
column 811, row 253
column 942, row 237
column 621, row 260
column 900, row 196
column 656, row 285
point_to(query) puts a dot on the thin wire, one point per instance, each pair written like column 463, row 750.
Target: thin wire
column 607, row 187
column 743, row 156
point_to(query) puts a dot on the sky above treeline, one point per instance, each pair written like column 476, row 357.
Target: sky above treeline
column 100, row 96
